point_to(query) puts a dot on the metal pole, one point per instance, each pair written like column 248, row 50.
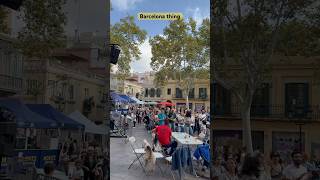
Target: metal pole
column 300, row 137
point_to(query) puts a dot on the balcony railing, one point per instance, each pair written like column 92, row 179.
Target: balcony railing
column 177, row 96
column 270, row 112
column 203, row 97
column 10, row 83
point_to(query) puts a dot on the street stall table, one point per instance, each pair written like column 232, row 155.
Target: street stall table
column 185, row 139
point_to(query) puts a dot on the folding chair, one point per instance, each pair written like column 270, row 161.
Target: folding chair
column 139, row 152
column 169, row 161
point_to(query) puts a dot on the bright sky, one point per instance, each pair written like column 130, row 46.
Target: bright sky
column 197, row 9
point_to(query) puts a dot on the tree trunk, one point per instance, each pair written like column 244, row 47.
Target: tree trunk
column 246, row 126
column 187, row 98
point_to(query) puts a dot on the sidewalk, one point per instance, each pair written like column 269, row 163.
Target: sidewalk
column 121, row 156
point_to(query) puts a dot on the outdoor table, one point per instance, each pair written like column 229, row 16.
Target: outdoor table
column 186, row 140
column 189, row 140
column 56, row 174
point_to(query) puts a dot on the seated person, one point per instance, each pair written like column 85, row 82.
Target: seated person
column 163, row 135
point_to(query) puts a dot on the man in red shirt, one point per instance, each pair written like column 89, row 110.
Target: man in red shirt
column 163, row 135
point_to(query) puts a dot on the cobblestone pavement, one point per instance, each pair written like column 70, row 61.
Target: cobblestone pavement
column 122, row 156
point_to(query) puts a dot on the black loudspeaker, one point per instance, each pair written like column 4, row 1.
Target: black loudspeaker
column 8, row 129
column 13, row 4
column 114, row 53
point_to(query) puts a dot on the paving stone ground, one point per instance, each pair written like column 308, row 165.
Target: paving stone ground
column 121, row 157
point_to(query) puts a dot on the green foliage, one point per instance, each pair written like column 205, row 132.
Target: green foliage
column 129, row 36
column 43, row 29
column 250, row 32
column 181, row 53
column 3, row 24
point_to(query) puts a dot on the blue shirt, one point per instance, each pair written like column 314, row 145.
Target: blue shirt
column 161, row 117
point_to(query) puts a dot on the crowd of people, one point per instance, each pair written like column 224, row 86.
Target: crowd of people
column 86, row 162
column 242, row 166
column 182, row 120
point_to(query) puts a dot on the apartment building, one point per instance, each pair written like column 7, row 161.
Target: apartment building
column 198, row 97
column 284, row 113
column 70, row 80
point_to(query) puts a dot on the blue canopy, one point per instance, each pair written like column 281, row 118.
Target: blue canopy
column 26, row 118
column 127, row 98
column 49, row 112
column 117, row 98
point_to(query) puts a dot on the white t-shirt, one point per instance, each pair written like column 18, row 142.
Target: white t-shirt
column 292, row 172
column 76, row 173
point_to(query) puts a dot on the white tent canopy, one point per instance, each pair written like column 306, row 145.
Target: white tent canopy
column 152, row 103
column 90, row 127
column 137, row 100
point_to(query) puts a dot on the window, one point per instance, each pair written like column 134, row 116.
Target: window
column 52, row 86
column 152, row 92
column 296, row 99
column 178, row 93
column 260, row 102
column 146, row 94
column 158, row 92
column 33, row 87
column 202, row 93
column 169, row 91
column 191, row 93
column 71, row 92
column 86, row 92
column 221, row 100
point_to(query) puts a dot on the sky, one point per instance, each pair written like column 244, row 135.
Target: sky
column 197, row 9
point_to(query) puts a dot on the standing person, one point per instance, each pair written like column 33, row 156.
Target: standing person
column 140, row 116
column 231, row 170
column 218, row 170
column 134, row 119
column 295, row 170
column 90, row 163
column 162, row 116
column 196, row 123
column 77, row 171
column 137, row 114
column 172, row 117
column 250, row 168
column 264, row 169
column 276, row 167
column 188, row 122
column 64, row 159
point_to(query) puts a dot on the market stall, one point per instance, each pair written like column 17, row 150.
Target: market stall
column 92, row 131
column 33, row 137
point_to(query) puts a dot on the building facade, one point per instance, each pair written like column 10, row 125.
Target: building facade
column 11, row 67
column 150, row 92
column 198, row 97
column 67, row 82
column 284, row 113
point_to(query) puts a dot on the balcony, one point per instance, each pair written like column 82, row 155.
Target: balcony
column 270, row 112
column 9, row 83
column 177, row 96
column 203, row 97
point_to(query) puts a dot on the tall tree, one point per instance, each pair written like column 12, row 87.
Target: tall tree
column 247, row 33
column 182, row 54
column 128, row 36
column 3, row 20
column 43, row 29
